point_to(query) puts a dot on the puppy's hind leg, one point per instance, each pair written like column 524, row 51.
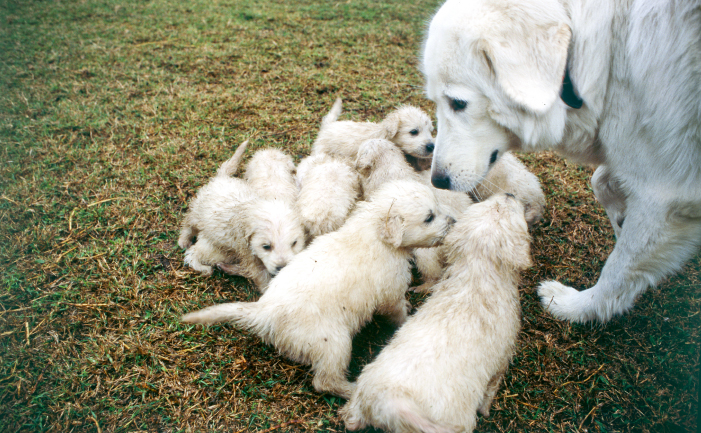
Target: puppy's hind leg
column 397, row 312
column 490, row 392
column 656, row 239
column 331, row 365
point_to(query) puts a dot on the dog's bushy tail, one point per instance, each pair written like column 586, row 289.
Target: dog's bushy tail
column 241, row 313
column 333, row 114
column 230, row 166
column 393, row 413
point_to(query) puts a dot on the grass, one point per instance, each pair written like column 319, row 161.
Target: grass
column 113, row 113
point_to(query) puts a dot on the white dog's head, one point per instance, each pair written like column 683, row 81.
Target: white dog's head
column 494, row 229
column 275, row 233
column 410, row 215
column 411, row 129
column 494, row 68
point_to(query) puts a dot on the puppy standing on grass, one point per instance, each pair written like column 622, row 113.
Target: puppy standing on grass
column 408, row 127
column 329, row 291
column 446, row 362
column 237, row 230
column 328, row 190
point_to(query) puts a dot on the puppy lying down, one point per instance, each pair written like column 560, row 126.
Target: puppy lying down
column 316, row 304
column 239, row 231
column 446, row 362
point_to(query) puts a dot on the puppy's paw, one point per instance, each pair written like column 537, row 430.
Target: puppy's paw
column 232, row 269
column 423, row 288
column 565, row 303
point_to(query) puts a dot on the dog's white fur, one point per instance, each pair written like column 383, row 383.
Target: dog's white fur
column 239, row 231
column 328, row 191
column 637, row 66
column 447, row 361
column 410, row 128
column 330, row 290
column 379, row 161
column 271, row 174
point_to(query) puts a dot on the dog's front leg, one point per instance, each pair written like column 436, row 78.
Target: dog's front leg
column 655, row 241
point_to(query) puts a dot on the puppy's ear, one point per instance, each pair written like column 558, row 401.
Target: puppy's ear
column 390, row 126
column 529, row 67
column 366, row 157
column 392, row 230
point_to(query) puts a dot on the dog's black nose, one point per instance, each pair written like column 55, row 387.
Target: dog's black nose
column 430, row 147
column 440, row 181
column 279, row 268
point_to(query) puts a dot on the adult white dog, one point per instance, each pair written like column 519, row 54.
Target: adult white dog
column 611, row 83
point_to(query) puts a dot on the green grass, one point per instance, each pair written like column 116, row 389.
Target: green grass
column 113, row 113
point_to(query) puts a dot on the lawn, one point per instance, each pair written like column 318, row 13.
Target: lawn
column 114, row 112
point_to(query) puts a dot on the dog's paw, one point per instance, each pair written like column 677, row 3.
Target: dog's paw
column 564, row 302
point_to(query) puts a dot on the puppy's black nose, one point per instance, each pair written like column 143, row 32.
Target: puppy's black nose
column 440, row 181
column 430, row 147
column 279, row 268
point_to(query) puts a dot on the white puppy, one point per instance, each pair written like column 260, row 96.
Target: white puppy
column 408, row 127
column 328, row 190
column 329, row 291
column 239, row 231
column 270, row 173
column 629, row 102
column 380, row 161
column 447, row 361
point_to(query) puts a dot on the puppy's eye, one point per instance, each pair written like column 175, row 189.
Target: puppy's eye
column 458, row 104
column 267, row 247
column 414, row 132
column 294, row 243
column 430, row 218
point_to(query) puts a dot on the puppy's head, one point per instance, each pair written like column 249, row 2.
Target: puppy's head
column 409, row 215
column 411, row 130
column 494, row 70
column 269, row 162
column 275, row 234
column 495, row 230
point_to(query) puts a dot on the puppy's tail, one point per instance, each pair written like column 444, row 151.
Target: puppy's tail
column 393, row 413
column 229, row 167
column 241, row 313
column 332, row 116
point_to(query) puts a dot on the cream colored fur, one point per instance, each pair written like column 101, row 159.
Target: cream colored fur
column 239, row 231
column 408, row 127
column 446, row 362
column 270, row 172
column 328, row 190
column 380, row 161
column 495, row 70
column 330, row 290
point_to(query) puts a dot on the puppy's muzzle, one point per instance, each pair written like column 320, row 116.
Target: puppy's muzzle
column 428, row 149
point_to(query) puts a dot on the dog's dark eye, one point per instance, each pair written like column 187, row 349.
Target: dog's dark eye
column 267, row 247
column 493, row 158
column 430, row 218
column 457, row 104
column 414, row 132
column 294, row 243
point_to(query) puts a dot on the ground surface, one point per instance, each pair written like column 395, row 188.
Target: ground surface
column 113, row 113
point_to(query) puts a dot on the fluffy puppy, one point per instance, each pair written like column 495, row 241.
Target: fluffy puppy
column 380, row 161
column 446, row 362
column 407, row 127
column 328, row 190
column 330, row 290
column 270, row 173
column 510, row 175
column 237, row 230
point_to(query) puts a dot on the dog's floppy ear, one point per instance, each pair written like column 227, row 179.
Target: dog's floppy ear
column 390, row 126
column 529, row 66
column 392, row 230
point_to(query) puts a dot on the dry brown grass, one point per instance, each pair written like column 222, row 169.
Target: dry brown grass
column 114, row 113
